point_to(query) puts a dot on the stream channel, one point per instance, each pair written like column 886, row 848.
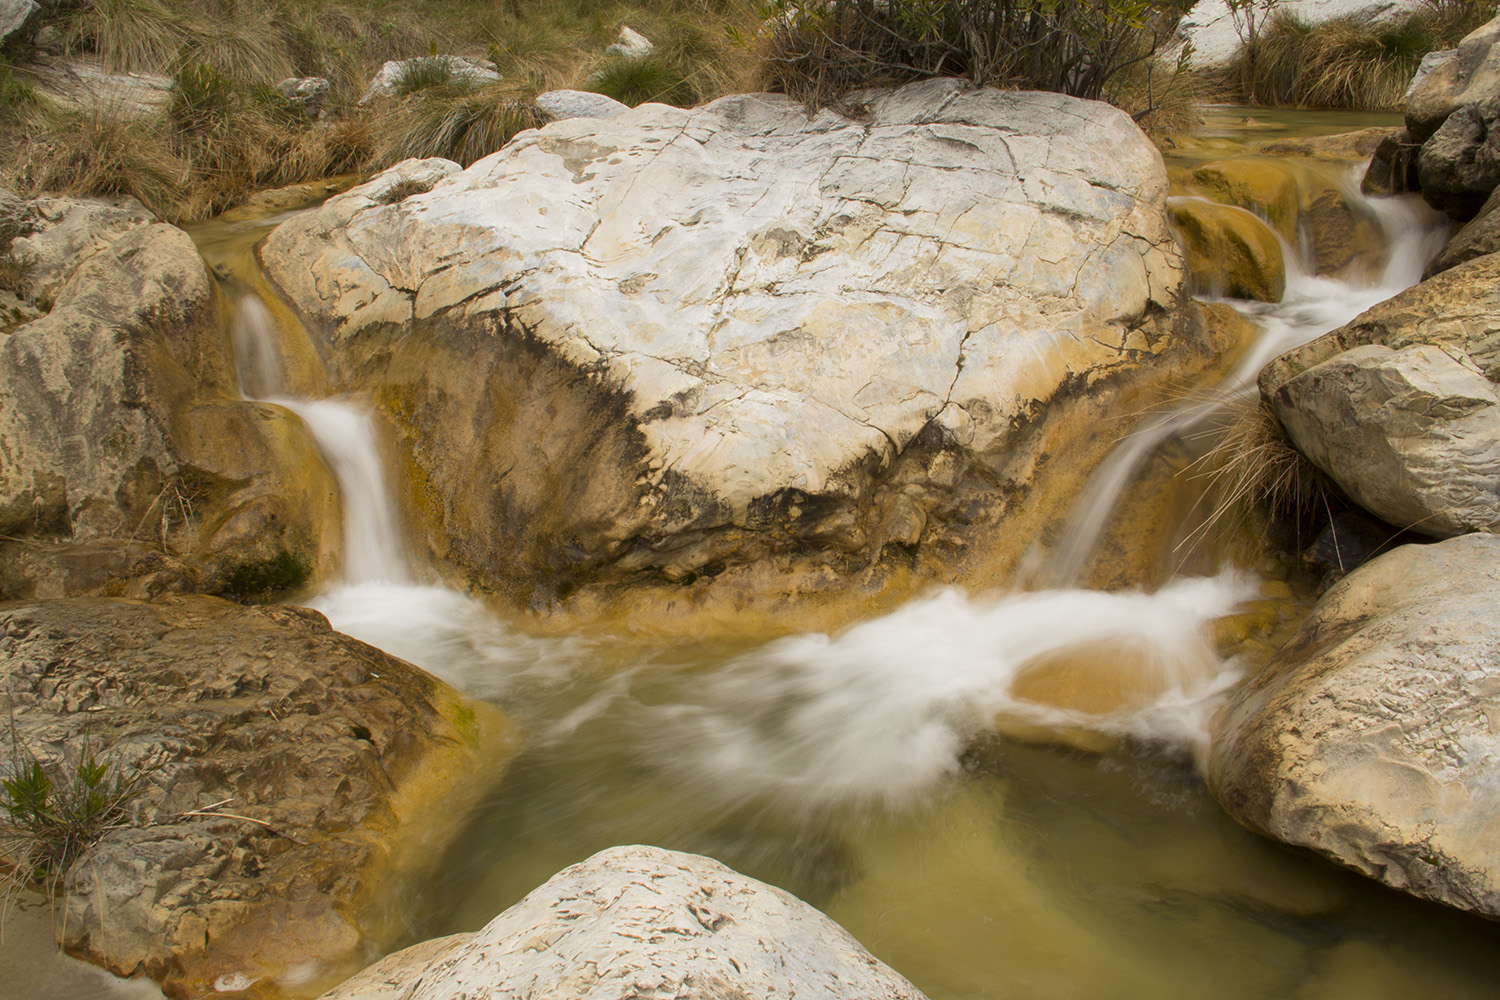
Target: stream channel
column 891, row 774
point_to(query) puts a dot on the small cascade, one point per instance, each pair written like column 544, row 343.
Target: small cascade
column 1311, row 307
column 346, row 438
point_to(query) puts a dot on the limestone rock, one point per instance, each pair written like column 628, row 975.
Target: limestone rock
column 631, row 45
column 461, row 71
column 561, row 104
column 1478, row 237
column 291, row 777
column 15, row 15
column 1305, row 202
column 1457, row 311
column 642, row 921
column 679, row 340
column 1411, row 435
column 1471, row 76
column 84, row 85
column 1460, row 165
column 1228, row 250
column 125, row 440
column 1370, row 737
column 1429, row 64
column 310, row 93
column 1393, row 166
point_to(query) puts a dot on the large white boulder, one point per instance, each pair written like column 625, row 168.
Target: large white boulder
column 637, row 922
column 723, row 327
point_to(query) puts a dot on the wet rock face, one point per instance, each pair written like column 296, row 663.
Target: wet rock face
column 1370, row 737
column 676, row 340
column 130, row 465
column 1460, row 165
column 1228, row 250
column 1471, row 76
column 641, row 921
column 337, row 762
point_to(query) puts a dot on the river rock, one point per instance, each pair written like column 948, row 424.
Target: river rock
column 83, row 84
column 1477, row 237
column 131, row 464
column 1460, row 165
column 1471, row 76
column 461, row 72
column 292, row 782
column 1370, row 737
column 1305, row 202
column 642, row 921
column 675, row 341
column 1411, row 435
column 309, row 93
column 559, row 104
column 1393, row 166
column 1358, row 145
column 15, row 16
column 1228, row 250
column 1457, row 311
column 630, row 44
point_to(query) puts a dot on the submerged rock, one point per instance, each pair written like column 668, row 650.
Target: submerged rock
column 678, row 342
column 292, row 781
column 1229, row 250
column 1370, row 738
column 642, row 921
column 131, row 465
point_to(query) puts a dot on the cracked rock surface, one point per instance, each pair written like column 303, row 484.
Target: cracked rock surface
column 1371, row 738
column 677, row 324
column 292, row 780
column 642, row 921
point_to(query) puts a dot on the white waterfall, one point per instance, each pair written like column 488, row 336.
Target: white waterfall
column 345, row 436
column 1311, row 307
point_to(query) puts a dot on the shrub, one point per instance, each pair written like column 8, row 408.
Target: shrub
column 1079, row 47
column 637, row 81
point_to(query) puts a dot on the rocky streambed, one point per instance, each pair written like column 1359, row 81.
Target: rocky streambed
column 699, row 406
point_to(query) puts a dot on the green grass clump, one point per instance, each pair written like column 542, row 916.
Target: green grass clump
column 52, row 814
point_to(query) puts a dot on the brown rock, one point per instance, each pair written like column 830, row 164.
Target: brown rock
column 1479, row 236
column 1370, row 737
column 291, row 780
column 1228, row 250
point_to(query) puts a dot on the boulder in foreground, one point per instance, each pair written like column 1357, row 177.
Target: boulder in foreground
column 637, row 922
column 292, row 780
column 1371, row 737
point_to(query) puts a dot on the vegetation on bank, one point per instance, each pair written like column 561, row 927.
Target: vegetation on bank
column 1354, row 63
column 226, row 131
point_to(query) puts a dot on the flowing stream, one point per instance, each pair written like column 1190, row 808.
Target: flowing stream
column 900, row 774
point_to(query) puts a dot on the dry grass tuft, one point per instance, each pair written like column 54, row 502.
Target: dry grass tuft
column 1256, row 476
column 1353, row 63
column 459, row 124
